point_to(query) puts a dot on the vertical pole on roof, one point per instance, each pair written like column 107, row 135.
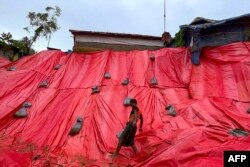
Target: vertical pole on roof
column 49, row 40
column 164, row 15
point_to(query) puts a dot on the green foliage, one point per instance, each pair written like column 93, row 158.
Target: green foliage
column 5, row 41
column 22, row 46
column 179, row 38
column 19, row 47
column 42, row 24
column 6, row 37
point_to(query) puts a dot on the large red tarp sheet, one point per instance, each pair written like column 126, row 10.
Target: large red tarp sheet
column 210, row 100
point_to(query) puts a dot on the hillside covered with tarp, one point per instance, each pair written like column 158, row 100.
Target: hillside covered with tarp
column 53, row 89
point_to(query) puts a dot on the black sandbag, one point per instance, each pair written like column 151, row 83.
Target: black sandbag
column 11, row 68
column 43, row 84
column 95, row 89
column 107, row 75
column 125, row 81
column 152, row 57
column 154, row 81
column 127, row 101
column 170, row 110
column 21, row 113
column 238, row 132
column 77, row 127
column 56, row 67
column 27, row 104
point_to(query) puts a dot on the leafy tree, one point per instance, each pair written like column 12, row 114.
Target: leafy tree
column 179, row 40
column 22, row 47
column 5, row 40
column 42, row 25
column 19, row 47
column 6, row 37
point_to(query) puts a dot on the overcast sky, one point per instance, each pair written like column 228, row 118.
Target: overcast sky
column 122, row 16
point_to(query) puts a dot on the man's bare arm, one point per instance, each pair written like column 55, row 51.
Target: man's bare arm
column 135, row 116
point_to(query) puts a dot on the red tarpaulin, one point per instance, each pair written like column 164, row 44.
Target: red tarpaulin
column 210, row 100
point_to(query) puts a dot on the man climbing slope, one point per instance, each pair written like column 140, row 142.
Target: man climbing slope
column 127, row 137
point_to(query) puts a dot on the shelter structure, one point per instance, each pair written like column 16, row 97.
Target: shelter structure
column 90, row 41
column 204, row 32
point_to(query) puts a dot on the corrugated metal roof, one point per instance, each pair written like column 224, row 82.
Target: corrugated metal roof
column 109, row 34
column 212, row 23
column 201, row 20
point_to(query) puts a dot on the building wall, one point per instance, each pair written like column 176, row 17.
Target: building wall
column 225, row 34
column 91, row 43
column 118, row 40
column 91, row 47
